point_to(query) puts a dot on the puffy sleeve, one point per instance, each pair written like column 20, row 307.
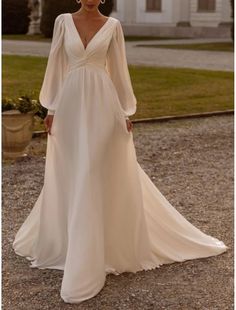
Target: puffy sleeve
column 117, row 67
column 56, row 67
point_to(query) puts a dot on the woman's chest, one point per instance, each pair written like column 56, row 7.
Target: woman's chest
column 97, row 45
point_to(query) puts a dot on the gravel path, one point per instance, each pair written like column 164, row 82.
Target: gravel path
column 191, row 162
column 148, row 56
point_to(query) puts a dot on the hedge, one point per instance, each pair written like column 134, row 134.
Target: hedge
column 15, row 16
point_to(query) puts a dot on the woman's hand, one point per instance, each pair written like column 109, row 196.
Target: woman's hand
column 129, row 125
column 48, row 123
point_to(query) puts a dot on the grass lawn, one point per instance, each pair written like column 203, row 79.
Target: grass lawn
column 159, row 91
column 24, row 37
column 149, row 38
column 217, row 46
column 174, row 91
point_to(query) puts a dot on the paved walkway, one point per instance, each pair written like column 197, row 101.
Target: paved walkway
column 145, row 56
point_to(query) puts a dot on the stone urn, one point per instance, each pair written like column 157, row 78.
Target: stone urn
column 17, row 131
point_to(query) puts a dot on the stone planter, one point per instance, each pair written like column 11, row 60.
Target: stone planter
column 17, row 131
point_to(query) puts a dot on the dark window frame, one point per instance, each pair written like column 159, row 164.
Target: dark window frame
column 206, row 9
column 148, row 9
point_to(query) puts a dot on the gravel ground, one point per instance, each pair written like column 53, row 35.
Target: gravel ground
column 191, row 162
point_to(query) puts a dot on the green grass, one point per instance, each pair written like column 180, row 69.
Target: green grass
column 22, row 74
column 217, row 46
column 149, row 38
column 24, row 37
column 169, row 91
column 159, row 91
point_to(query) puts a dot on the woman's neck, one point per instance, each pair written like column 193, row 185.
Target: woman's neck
column 87, row 14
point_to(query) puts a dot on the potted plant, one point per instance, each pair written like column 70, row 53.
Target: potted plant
column 17, row 125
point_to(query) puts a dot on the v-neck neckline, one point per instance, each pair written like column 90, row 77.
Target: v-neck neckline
column 96, row 33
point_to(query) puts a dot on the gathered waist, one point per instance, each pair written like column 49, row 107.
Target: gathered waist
column 84, row 63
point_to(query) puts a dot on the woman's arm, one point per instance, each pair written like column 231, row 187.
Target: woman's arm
column 117, row 67
column 56, row 68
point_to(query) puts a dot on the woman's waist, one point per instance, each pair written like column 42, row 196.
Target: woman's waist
column 83, row 63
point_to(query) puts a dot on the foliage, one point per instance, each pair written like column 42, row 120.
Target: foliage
column 24, row 104
column 232, row 15
column 53, row 8
column 8, row 104
column 15, row 16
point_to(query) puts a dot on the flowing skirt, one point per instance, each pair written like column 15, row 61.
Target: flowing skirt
column 98, row 212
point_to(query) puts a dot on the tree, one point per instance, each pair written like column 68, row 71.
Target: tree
column 52, row 8
column 15, row 16
column 232, row 15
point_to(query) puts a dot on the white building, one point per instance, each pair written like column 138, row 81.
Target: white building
column 182, row 18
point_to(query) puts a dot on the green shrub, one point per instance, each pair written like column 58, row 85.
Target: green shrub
column 232, row 15
column 8, row 104
column 15, row 16
column 24, row 104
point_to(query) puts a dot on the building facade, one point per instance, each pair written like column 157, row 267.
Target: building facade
column 191, row 18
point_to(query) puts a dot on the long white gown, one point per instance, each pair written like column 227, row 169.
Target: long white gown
column 98, row 211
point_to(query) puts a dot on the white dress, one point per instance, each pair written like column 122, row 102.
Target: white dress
column 98, row 211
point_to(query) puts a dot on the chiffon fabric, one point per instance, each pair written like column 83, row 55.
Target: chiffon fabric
column 98, row 211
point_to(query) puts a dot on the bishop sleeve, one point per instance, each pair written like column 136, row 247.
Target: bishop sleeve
column 117, row 67
column 56, row 68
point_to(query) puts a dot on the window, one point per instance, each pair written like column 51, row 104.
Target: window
column 153, row 5
column 206, row 5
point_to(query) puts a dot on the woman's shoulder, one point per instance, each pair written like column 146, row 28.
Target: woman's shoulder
column 60, row 19
column 116, row 20
column 111, row 18
column 60, row 16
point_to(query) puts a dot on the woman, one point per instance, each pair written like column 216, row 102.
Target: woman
column 98, row 211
